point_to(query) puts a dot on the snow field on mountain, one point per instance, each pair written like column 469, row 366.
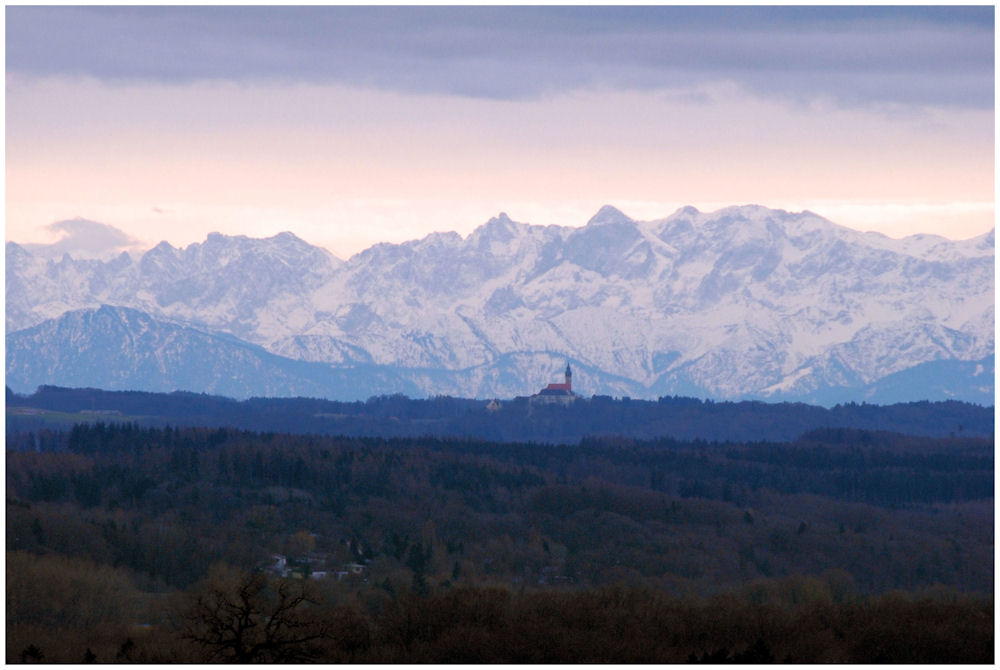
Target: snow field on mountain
column 744, row 301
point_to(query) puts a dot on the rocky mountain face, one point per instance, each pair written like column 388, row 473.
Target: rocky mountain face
column 741, row 302
column 117, row 348
column 227, row 284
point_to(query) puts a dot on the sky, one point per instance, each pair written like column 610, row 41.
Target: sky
column 355, row 125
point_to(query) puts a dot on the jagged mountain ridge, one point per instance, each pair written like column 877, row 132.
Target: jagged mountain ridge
column 742, row 302
column 117, row 348
column 220, row 284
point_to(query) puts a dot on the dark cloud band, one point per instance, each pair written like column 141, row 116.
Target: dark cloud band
column 853, row 55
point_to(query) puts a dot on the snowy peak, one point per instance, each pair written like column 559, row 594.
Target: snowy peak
column 163, row 257
column 219, row 250
column 687, row 212
column 982, row 245
column 500, row 219
column 500, row 227
column 501, row 236
column 124, row 349
column 743, row 301
column 608, row 215
column 16, row 251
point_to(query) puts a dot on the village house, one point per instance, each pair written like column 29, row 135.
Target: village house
column 279, row 568
column 355, row 568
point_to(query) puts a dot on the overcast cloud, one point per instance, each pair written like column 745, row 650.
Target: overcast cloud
column 856, row 56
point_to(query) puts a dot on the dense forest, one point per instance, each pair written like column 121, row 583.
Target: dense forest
column 515, row 420
column 134, row 543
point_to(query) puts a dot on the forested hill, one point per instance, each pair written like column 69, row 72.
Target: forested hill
column 133, row 544
column 515, row 420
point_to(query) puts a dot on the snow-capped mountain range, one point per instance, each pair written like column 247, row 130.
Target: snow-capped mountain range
column 741, row 302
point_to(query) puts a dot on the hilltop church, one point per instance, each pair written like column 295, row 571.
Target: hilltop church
column 561, row 394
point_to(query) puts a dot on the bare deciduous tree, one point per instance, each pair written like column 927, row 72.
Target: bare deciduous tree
column 250, row 619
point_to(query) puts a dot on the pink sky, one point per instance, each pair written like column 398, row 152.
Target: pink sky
column 345, row 164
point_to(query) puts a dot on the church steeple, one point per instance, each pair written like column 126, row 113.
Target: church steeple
column 557, row 393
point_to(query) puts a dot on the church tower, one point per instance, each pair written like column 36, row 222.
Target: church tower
column 557, row 393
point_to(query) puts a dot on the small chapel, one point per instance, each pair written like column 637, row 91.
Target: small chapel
column 557, row 393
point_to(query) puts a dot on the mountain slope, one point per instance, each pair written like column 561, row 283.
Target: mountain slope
column 234, row 284
column 742, row 302
column 117, row 348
